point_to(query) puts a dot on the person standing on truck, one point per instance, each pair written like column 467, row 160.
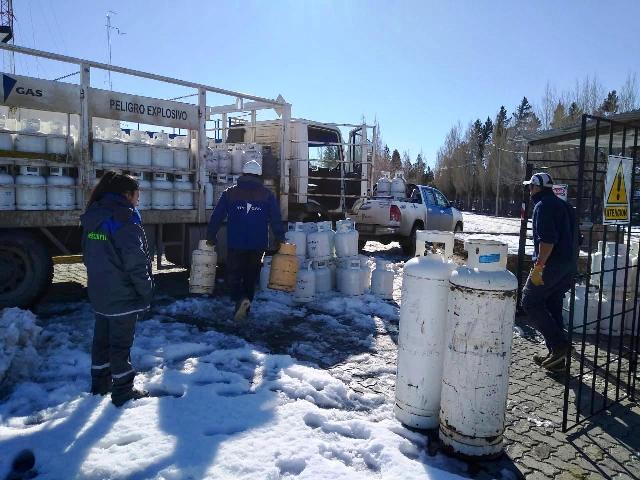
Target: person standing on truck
column 553, row 270
column 119, row 282
column 249, row 208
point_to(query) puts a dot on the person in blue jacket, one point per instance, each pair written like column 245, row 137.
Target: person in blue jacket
column 249, row 208
column 553, row 270
column 119, row 282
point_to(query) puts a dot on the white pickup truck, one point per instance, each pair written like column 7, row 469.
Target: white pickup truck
column 385, row 219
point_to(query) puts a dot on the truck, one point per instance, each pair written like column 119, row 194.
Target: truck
column 387, row 219
column 314, row 173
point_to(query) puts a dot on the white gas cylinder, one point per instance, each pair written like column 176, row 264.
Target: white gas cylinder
column 596, row 260
column 209, row 193
column 305, row 284
column 365, row 272
column 183, row 195
column 423, row 314
column 382, row 280
column 265, row 272
column 144, row 202
column 237, row 159
column 160, row 139
column 323, row 276
column 297, row 234
column 580, row 320
column 349, row 277
column 161, row 157
column 57, row 144
column 224, row 161
column 31, row 193
column 31, row 142
column 202, row 279
column 327, row 228
column 332, row 265
column 222, row 183
column 6, row 141
column 398, row 186
column 346, row 239
column 161, row 192
column 614, row 260
column 319, row 242
column 60, row 192
column 114, row 152
column 139, row 154
column 181, row 158
column 480, row 315
column 383, row 185
column 7, row 190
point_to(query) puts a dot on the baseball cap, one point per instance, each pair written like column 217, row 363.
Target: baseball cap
column 540, row 179
column 252, row 167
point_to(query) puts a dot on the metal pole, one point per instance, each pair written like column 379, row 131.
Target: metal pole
column 109, row 46
column 498, row 180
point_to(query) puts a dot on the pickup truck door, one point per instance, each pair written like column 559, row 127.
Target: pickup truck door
column 432, row 215
column 445, row 217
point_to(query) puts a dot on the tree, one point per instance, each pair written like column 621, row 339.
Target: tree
column 559, row 116
column 629, row 94
column 396, row 161
column 575, row 112
column 610, row 104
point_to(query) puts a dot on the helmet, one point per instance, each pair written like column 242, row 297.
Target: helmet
column 252, row 168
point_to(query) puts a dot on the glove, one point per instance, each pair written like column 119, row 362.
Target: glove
column 211, row 243
column 536, row 275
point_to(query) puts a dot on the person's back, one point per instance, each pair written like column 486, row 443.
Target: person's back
column 553, row 223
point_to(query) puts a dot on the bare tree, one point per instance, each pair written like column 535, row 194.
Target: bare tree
column 628, row 99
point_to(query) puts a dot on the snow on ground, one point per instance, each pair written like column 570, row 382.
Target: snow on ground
column 502, row 229
column 18, row 336
column 222, row 407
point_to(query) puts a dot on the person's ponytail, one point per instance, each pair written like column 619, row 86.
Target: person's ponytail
column 113, row 182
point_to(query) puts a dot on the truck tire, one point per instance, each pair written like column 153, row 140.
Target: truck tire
column 409, row 244
column 458, row 228
column 26, row 269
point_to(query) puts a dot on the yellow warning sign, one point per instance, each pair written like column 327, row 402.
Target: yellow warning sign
column 618, row 181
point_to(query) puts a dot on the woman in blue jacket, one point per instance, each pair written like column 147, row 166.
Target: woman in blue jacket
column 119, row 282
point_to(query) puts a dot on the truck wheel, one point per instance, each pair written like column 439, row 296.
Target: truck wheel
column 361, row 244
column 26, row 269
column 458, row 228
column 409, row 244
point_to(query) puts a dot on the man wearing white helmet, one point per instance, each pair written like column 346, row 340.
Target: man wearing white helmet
column 249, row 208
column 553, row 269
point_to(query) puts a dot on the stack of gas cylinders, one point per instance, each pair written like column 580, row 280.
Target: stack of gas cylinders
column 328, row 260
column 454, row 343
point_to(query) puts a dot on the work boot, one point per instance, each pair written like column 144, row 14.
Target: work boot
column 133, row 394
column 242, row 309
column 540, row 359
column 100, row 385
column 558, row 368
column 556, row 357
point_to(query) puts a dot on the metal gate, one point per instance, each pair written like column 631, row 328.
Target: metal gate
column 601, row 310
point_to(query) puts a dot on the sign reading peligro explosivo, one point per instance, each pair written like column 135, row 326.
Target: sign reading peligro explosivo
column 617, row 191
column 134, row 108
column 28, row 92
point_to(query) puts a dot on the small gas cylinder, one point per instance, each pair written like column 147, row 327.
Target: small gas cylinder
column 323, row 276
column 202, row 278
column 31, row 193
column 180, row 158
column 144, row 203
column 349, row 277
column 161, row 157
column 297, row 234
column 383, row 185
column 161, row 194
column 346, row 239
column 382, row 280
column 423, row 315
column 224, row 161
column 480, row 315
column 319, row 243
column 306, row 284
column 398, row 186
column 60, row 192
column 284, row 269
column 237, row 159
column 365, row 272
column 209, row 192
column 182, row 196
column 7, row 190
column 265, row 272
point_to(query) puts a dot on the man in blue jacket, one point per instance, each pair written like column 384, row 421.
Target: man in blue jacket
column 249, row 208
column 553, row 270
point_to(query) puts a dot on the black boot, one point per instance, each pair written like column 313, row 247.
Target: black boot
column 133, row 394
column 100, row 385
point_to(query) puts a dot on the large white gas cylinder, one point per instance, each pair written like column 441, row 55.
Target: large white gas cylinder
column 265, row 273
column 398, row 186
column 144, row 202
column 224, row 161
column 319, row 242
column 202, row 279
column 209, row 192
column 181, row 158
column 305, row 284
column 31, row 193
column 382, row 280
column 7, row 190
column 30, row 139
column 423, row 315
column 480, row 315
column 161, row 192
column 349, row 277
column 323, row 276
column 183, row 195
column 297, row 234
column 139, row 153
column 60, row 192
column 346, row 239
column 383, row 185
column 365, row 272
column 237, row 159
column 161, row 157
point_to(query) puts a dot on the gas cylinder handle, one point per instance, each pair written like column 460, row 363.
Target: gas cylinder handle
column 434, row 237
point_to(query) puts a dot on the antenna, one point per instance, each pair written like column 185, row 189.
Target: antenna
column 109, row 28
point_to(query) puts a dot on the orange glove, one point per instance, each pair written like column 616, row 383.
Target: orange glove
column 536, row 274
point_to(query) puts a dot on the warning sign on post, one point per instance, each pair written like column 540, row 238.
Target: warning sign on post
column 617, row 208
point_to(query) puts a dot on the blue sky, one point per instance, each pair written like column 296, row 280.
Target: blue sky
column 416, row 66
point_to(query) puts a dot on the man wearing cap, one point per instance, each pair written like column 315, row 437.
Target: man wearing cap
column 249, row 208
column 553, row 269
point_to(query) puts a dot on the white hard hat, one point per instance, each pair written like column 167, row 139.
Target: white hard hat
column 252, row 167
column 541, row 179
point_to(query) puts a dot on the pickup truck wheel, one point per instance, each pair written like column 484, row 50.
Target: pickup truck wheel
column 409, row 244
column 361, row 244
column 458, row 228
column 26, row 269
